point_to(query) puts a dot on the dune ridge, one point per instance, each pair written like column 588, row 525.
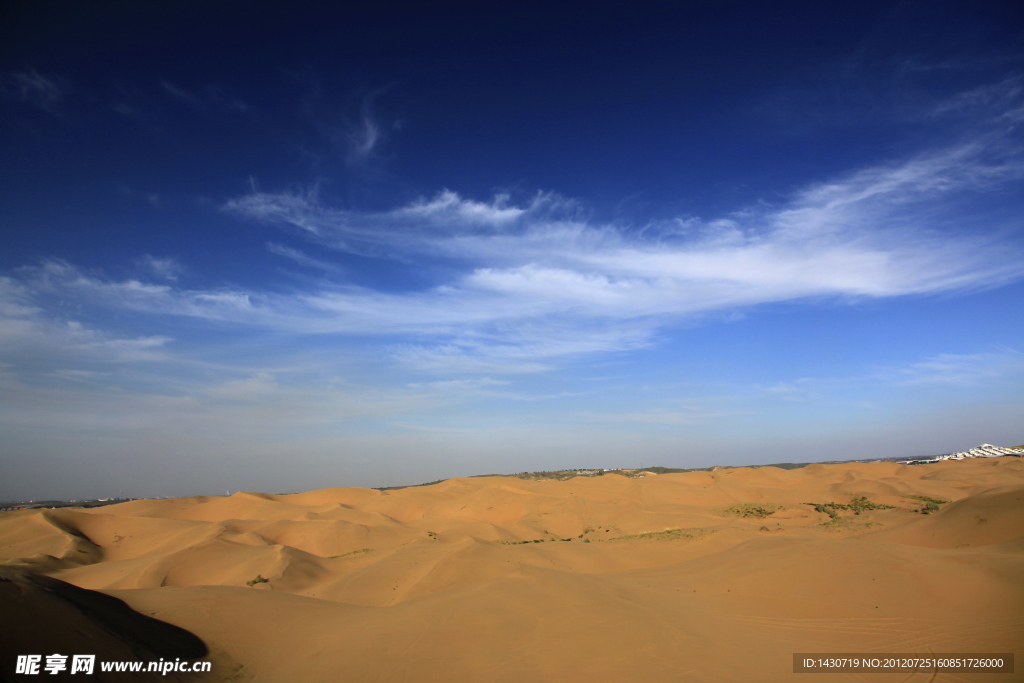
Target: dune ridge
column 605, row 578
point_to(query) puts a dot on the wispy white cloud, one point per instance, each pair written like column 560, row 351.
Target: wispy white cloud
column 30, row 336
column 154, row 199
column 1000, row 101
column 996, row 372
column 478, row 358
column 873, row 233
column 220, row 97
column 459, row 385
column 802, row 389
column 542, row 284
column 535, row 282
column 302, row 258
column 526, row 345
column 179, row 92
column 307, row 401
column 212, row 96
column 61, row 277
column 243, row 406
column 689, row 416
column 162, row 268
column 449, row 211
column 1004, row 366
column 447, row 224
column 84, row 376
column 363, row 138
column 484, row 388
column 15, row 300
column 61, row 374
column 31, row 87
column 363, row 135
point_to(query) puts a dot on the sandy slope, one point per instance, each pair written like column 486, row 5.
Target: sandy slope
column 79, row 621
column 659, row 579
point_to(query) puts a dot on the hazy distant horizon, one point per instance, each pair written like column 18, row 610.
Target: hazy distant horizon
column 343, row 482
column 381, row 246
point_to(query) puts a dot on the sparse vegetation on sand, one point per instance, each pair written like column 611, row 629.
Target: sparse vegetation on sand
column 564, row 475
column 930, row 504
column 669, row 535
column 926, row 499
column 666, row 535
column 259, row 579
column 858, row 505
column 759, row 510
column 349, row 554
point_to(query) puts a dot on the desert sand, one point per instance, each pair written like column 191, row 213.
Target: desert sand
column 702, row 576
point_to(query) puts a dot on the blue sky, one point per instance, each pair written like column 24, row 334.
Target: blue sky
column 282, row 249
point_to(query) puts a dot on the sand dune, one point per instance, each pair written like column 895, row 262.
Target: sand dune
column 707, row 576
column 83, row 621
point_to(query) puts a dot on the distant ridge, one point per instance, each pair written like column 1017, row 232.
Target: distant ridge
column 982, row 451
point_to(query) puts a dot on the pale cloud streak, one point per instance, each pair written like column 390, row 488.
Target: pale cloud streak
column 179, row 92
column 363, row 135
column 802, row 389
column 693, row 416
column 162, row 268
column 209, row 96
column 301, row 258
column 1000, row 367
column 31, row 337
column 363, row 139
column 446, row 225
column 31, row 87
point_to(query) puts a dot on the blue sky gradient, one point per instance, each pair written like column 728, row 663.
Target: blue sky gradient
column 286, row 248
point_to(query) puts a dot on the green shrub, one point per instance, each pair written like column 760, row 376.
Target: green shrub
column 930, row 504
column 861, row 503
column 354, row 552
column 926, row 499
column 669, row 535
column 752, row 510
column 857, row 505
column 825, row 509
column 259, row 579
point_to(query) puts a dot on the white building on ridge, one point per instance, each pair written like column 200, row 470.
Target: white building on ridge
column 985, row 450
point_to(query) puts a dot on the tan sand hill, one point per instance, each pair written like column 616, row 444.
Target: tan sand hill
column 706, row 576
